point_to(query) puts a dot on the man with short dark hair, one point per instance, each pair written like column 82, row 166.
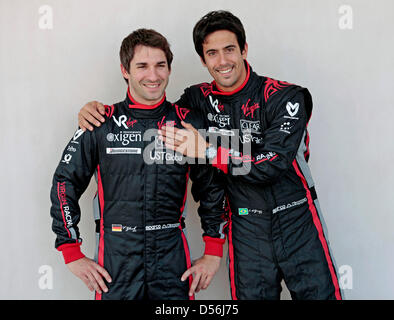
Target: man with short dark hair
column 142, row 251
column 274, row 229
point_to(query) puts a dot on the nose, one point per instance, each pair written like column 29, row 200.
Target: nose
column 152, row 75
column 222, row 58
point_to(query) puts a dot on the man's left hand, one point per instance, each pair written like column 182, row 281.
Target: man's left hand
column 188, row 141
column 203, row 270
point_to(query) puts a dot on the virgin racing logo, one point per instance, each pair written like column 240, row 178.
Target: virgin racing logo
column 216, row 105
column 123, row 121
column 249, row 110
column 292, row 109
column 77, row 134
column 67, row 157
column 64, row 204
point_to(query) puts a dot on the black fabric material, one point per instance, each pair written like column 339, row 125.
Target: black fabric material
column 144, row 249
column 271, row 118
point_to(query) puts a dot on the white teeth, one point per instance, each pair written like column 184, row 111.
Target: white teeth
column 225, row 71
column 152, row 85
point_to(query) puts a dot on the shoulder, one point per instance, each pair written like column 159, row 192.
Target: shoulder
column 114, row 109
column 201, row 90
column 274, row 89
column 181, row 111
column 194, row 95
column 277, row 92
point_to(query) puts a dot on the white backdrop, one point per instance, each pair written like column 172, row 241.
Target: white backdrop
column 57, row 54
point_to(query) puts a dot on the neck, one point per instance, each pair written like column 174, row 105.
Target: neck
column 144, row 102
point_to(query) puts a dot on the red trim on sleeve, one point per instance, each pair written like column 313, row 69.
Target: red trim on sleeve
column 213, row 246
column 71, row 252
column 221, row 159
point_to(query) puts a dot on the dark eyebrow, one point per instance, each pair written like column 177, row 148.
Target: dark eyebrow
column 162, row 62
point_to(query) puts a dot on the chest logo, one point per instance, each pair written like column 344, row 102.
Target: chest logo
column 216, row 105
column 250, row 126
column 122, row 121
column 249, row 110
column 292, row 109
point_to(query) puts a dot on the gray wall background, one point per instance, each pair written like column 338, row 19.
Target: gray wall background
column 48, row 74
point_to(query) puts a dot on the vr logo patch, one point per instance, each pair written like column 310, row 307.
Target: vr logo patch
column 292, row 109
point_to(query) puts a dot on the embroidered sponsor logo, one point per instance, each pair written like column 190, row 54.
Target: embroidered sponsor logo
column 123, row 150
column 248, row 137
column 285, row 127
column 64, row 204
column 125, row 137
column 265, row 156
column 159, row 144
column 249, row 110
column 216, row 105
column 167, row 123
column 131, row 123
column 289, row 205
column 71, row 149
column 162, row 156
column 121, row 121
column 67, row 158
column 77, row 134
column 160, row 152
column 292, row 109
column 250, row 126
column 162, row 226
column 223, row 132
column 221, row 120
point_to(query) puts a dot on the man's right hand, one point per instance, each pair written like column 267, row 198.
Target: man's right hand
column 90, row 273
column 91, row 114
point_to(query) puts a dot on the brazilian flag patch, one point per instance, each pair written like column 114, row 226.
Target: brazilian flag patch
column 243, row 211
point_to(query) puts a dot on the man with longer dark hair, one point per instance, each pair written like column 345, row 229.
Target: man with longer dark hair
column 142, row 251
column 275, row 231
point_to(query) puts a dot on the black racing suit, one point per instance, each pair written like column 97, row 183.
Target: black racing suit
column 139, row 204
column 274, row 232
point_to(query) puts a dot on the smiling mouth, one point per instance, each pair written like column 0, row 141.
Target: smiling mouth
column 152, row 85
column 225, row 71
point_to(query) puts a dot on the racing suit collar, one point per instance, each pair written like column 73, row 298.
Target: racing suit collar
column 217, row 91
column 142, row 111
